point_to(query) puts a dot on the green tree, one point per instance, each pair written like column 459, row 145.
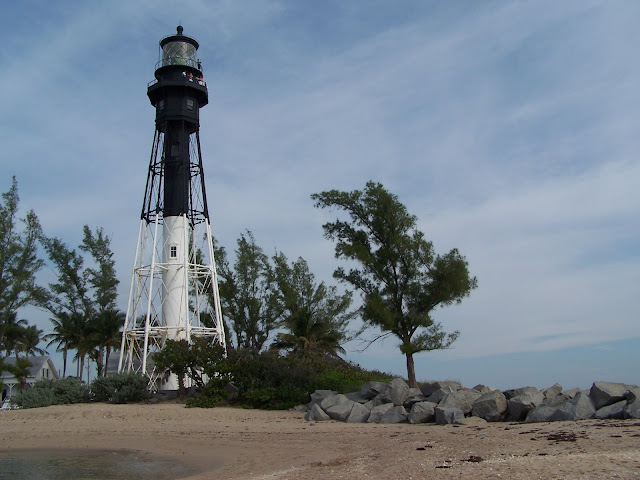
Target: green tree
column 401, row 279
column 247, row 293
column 105, row 320
column 68, row 298
column 31, row 339
column 19, row 260
column 314, row 316
column 13, row 334
column 21, row 370
column 62, row 336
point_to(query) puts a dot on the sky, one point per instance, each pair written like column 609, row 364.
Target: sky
column 509, row 128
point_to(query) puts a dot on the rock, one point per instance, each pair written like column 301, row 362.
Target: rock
column 607, row 393
column 632, row 409
column 329, row 402
column 462, row 399
column 415, row 396
column 233, row 392
column 316, row 414
column 422, row 412
column 483, row 388
column 542, row 413
column 372, row 389
column 490, row 405
column 359, row 414
column 378, row 400
column 611, row 411
column 397, row 392
column 579, row 407
column 301, row 408
column 356, row 397
column 319, row 395
column 377, row 412
column 553, row 391
column 396, row 414
column 428, row 388
column 448, row 416
column 571, row 393
column 439, row 394
column 341, row 410
column 519, row 405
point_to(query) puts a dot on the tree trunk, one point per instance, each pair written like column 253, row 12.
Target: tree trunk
column 64, row 363
column 411, row 371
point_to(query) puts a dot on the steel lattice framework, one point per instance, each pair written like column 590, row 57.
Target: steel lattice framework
column 174, row 288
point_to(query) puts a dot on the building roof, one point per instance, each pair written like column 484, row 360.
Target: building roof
column 37, row 362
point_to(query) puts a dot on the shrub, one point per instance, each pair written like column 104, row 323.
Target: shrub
column 120, row 388
column 54, row 392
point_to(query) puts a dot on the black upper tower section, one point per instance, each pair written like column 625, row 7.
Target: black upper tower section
column 178, row 93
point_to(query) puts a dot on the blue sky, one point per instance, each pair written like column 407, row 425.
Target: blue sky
column 511, row 129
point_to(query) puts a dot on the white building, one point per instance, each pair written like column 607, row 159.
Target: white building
column 41, row 368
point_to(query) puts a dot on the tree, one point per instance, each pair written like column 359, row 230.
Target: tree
column 315, row 316
column 105, row 321
column 62, row 336
column 83, row 299
column 401, row 279
column 247, row 293
column 19, row 261
column 30, row 341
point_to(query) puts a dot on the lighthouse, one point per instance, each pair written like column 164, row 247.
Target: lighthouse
column 174, row 289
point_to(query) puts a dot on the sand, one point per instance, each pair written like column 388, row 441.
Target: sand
column 229, row 443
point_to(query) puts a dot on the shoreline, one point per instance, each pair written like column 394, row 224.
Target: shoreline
column 230, row 443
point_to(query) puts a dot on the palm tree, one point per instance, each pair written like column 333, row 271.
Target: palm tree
column 106, row 335
column 30, row 339
column 314, row 316
column 13, row 334
column 310, row 334
column 62, row 336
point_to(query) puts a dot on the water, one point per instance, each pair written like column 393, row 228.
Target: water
column 86, row 465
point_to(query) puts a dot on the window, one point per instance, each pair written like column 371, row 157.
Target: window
column 161, row 105
column 189, row 103
column 173, row 251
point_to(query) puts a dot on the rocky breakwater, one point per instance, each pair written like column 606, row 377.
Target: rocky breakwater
column 448, row 402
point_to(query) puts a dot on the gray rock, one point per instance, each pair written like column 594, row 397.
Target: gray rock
column 415, row 396
column 301, row 408
column 571, row 393
column 377, row 412
column 542, row 413
column 518, row 406
column 397, row 414
column 607, row 393
column 428, row 388
column 449, row 416
column 483, row 388
column 329, row 402
column 462, row 399
column 319, row 395
column 553, row 391
column 356, row 397
column 316, row 414
column 397, row 392
column 632, row 410
column 490, row 405
column 359, row 414
column 372, row 389
column 340, row 411
column 422, row 412
column 579, row 407
column 439, row 394
column 611, row 411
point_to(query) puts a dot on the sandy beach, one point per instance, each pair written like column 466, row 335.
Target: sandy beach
column 229, row 443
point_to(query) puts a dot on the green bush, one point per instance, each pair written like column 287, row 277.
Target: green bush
column 53, row 392
column 120, row 388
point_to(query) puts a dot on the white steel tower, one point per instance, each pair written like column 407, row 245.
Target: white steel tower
column 174, row 289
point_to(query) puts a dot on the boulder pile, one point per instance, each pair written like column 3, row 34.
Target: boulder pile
column 448, row 402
